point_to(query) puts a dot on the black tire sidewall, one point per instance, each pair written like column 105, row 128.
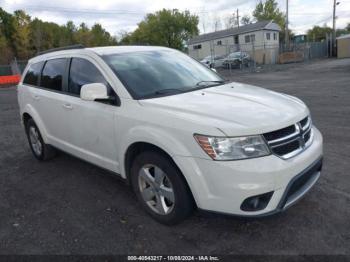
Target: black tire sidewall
column 31, row 123
column 184, row 204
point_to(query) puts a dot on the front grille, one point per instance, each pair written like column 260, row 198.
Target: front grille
column 280, row 133
column 305, row 121
column 307, row 135
column 287, row 148
column 291, row 140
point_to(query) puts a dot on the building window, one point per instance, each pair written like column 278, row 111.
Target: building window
column 249, row 38
column 267, row 36
column 236, row 39
column 274, row 36
column 219, row 42
column 252, row 38
column 197, row 47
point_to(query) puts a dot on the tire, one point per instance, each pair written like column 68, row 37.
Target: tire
column 40, row 150
column 161, row 188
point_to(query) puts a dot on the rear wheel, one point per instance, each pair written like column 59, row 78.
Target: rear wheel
column 161, row 188
column 40, row 150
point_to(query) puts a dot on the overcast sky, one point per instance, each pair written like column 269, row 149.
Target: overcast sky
column 123, row 15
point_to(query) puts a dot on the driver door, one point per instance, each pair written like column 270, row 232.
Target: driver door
column 91, row 130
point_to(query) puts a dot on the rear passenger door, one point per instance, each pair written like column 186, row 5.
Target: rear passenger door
column 91, row 123
column 49, row 100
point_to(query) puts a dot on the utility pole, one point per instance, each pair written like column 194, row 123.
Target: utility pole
column 286, row 34
column 237, row 18
column 335, row 3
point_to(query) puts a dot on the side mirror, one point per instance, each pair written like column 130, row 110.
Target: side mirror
column 94, row 91
column 214, row 69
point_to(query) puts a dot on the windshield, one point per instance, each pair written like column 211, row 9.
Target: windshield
column 160, row 72
column 236, row 55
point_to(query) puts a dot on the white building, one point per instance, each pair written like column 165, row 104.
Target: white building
column 260, row 40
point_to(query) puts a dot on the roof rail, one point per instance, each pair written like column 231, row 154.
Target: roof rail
column 79, row 46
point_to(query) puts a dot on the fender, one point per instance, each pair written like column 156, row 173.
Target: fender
column 175, row 149
column 29, row 109
column 154, row 136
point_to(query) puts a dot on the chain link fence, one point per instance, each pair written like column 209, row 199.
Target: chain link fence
column 303, row 52
column 16, row 67
column 5, row 70
column 238, row 56
column 11, row 74
column 253, row 57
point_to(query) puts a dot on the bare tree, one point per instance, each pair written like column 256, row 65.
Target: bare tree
column 203, row 19
column 230, row 21
column 246, row 19
column 216, row 23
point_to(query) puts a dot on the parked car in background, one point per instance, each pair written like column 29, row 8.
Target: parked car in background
column 212, row 62
column 180, row 135
column 236, row 59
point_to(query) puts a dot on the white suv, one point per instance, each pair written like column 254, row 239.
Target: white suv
column 172, row 128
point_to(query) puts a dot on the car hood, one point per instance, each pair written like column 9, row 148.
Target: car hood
column 235, row 108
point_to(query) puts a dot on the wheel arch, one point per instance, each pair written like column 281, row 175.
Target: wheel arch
column 25, row 118
column 138, row 147
column 135, row 149
column 30, row 113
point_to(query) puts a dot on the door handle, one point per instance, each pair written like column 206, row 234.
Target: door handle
column 68, row 106
column 36, row 97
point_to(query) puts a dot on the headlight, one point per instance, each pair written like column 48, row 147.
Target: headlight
column 233, row 148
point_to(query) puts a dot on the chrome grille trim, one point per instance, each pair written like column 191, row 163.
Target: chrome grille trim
column 288, row 142
column 296, row 133
column 283, row 142
column 308, row 124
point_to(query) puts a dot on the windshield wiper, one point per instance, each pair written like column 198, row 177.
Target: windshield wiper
column 167, row 91
column 206, row 83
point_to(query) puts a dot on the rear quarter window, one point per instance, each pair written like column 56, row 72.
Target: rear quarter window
column 33, row 74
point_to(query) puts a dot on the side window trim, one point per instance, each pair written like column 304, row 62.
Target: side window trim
column 65, row 87
column 68, row 76
column 41, row 72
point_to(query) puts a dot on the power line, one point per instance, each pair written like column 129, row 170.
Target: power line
column 50, row 8
column 324, row 20
column 287, row 32
column 82, row 10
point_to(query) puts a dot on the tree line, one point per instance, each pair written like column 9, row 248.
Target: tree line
column 22, row 37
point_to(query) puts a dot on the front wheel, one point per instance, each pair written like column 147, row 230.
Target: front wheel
column 161, row 188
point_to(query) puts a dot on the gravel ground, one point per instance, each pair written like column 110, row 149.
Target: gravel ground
column 67, row 206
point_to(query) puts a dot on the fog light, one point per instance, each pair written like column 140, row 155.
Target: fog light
column 256, row 203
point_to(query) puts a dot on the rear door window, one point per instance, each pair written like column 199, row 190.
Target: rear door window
column 33, row 74
column 52, row 75
column 83, row 72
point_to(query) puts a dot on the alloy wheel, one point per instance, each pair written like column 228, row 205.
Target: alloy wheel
column 35, row 141
column 156, row 189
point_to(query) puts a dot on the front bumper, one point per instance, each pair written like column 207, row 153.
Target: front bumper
column 222, row 186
